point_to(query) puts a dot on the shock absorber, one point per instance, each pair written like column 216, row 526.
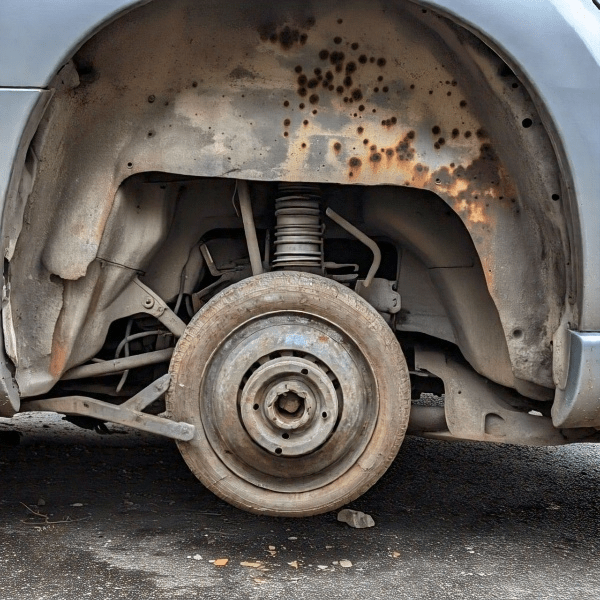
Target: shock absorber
column 299, row 228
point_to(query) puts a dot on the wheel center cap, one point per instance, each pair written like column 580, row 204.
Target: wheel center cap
column 289, row 406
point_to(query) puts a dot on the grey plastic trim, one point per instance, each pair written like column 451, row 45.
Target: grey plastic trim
column 578, row 405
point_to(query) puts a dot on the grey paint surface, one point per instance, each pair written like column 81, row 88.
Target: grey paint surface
column 38, row 36
column 15, row 107
column 579, row 401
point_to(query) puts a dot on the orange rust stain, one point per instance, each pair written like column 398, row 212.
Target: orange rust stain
column 58, row 357
column 474, row 211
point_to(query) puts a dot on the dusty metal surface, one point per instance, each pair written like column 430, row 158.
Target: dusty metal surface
column 129, row 413
column 476, row 409
column 371, row 93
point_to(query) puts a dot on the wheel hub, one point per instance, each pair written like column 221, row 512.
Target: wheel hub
column 289, row 406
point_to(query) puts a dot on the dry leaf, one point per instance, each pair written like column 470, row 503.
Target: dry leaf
column 221, row 562
column 259, row 580
column 395, row 554
column 294, row 564
column 254, row 565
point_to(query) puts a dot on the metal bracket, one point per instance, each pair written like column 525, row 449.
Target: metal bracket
column 130, row 413
column 478, row 409
column 137, row 298
column 380, row 295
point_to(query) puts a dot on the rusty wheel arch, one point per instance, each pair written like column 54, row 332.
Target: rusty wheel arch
column 365, row 94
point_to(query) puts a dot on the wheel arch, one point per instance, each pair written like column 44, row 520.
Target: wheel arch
column 79, row 99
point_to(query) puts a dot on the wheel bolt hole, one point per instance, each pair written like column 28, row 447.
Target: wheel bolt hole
column 304, row 371
column 324, row 415
column 278, row 450
column 285, row 436
column 255, row 407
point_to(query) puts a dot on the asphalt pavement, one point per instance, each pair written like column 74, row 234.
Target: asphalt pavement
column 120, row 517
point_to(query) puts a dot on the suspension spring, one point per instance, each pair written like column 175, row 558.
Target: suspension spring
column 299, row 229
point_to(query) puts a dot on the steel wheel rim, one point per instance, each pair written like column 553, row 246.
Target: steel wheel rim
column 251, row 367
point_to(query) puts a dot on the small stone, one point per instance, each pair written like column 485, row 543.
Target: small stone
column 292, row 538
column 77, row 504
column 197, row 557
column 355, row 518
column 271, row 547
column 41, row 502
column 293, row 564
column 322, row 567
column 395, row 554
column 345, row 563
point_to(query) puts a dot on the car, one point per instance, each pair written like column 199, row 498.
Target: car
column 270, row 231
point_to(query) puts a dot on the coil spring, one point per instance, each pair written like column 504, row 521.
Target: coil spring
column 299, row 229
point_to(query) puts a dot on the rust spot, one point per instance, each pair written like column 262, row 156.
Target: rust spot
column 348, row 81
column 372, row 59
column 303, row 144
column 362, row 59
column 481, row 133
column 317, row 71
column 298, row 69
column 441, row 141
column 151, row 98
column 412, row 86
column 361, row 107
column 357, row 95
column 305, row 122
column 331, row 88
column 285, row 134
column 329, row 75
column 350, row 67
column 435, row 130
column 359, row 129
column 336, row 58
column 301, row 105
column 410, row 135
column 376, row 157
column 380, row 78
column 365, row 141
column 314, row 112
column 302, row 92
column 462, row 103
column 376, row 89
column 337, row 147
column 381, row 62
column 286, row 103
column 385, row 89
column 324, row 54
column 287, row 122
column 355, row 162
column 455, row 133
column 339, row 89
column 354, row 46
column 337, row 39
column 467, row 134
column 389, row 152
column 312, row 83
column 302, row 80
